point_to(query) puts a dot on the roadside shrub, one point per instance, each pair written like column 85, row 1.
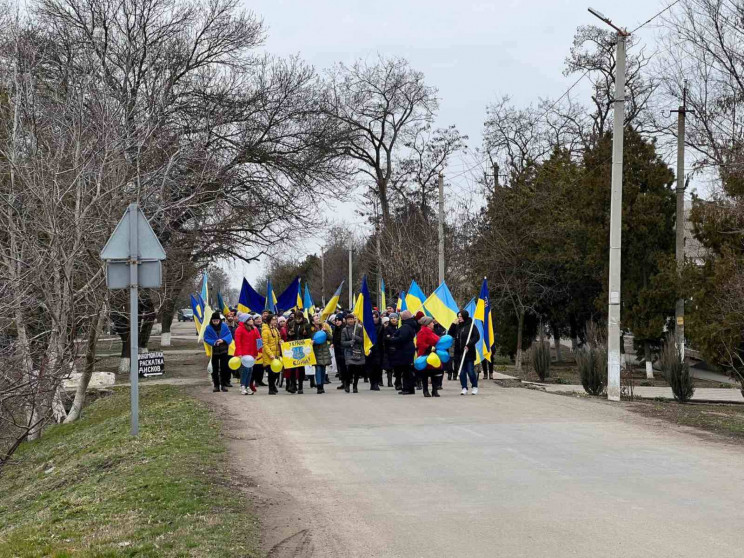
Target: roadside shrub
column 592, row 364
column 540, row 358
column 676, row 371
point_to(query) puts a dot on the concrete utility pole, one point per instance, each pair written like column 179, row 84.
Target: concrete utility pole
column 351, row 284
column 441, row 228
column 679, row 312
column 322, row 276
column 616, row 216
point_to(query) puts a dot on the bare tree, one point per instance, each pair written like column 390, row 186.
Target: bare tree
column 381, row 107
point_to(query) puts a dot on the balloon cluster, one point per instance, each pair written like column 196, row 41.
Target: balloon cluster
column 438, row 357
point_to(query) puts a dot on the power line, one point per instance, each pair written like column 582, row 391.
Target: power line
column 669, row 7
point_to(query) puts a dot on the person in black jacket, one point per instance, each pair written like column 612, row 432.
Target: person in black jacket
column 338, row 350
column 390, row 329
column 466, row 336
column 374, row 359
column 298, row 328
column 401, row 358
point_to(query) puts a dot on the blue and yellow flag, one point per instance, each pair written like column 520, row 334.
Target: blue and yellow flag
column 401, row 304
column 270, row 302
column 383, row 298
column 198, row 316
column 250, row 300
column 481, row 313
column 205, row 290
column 224, row 308
column 307, row 303
column 363, row 313
column 442, row 306
column 415, row 298
column 332, row 304
column 291, row 298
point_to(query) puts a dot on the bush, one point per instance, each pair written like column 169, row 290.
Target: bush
column 676, row 371
column 592, row 364
column 540, row 358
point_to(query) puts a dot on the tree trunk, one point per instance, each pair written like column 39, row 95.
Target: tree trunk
column 147, row 321
column 647, row 358
column 384, row 206
column 90, row 360
column 166, row 320
column 557, row 339
column 520, row 327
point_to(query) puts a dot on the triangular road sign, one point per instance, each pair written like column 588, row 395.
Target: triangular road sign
column 117, row 246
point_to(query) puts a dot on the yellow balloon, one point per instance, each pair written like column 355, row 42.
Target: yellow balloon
column 276, row 365
column 234, row 363
column 433, row 360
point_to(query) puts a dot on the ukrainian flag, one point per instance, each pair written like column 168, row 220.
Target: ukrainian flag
column 198, row 311
column 198, row 316
column 383, row 301
column 442, row 306
column 270, row 303
column 291, row 298
column 482, row 318
column 307, row 302
column 332, row 304
column 415, row 298
column 225, row 309
column 250, row 300
column 363, row 313
column 205, row 290
column 401, row 305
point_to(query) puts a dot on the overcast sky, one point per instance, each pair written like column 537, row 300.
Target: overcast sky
column 473, row 52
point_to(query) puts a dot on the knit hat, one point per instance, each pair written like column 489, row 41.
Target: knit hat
column 419, row 315
column 243, row 317
column 282, row 319
column 385, row 320
column 215, row 316
column 394, row 316
column 256, row 316
column 425, row 321
column 406, row 315
column 340, row 316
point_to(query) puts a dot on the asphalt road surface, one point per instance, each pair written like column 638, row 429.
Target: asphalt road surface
column 509, row 472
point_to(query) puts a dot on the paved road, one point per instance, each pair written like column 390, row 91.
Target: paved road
column 507, row 473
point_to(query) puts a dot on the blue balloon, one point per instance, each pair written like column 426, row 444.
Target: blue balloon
column 444, row 343
column 320, row 337
column 420, row 363
column 444, row 356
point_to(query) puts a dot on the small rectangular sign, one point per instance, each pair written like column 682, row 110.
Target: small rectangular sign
column 148, row 275
column 151, row 364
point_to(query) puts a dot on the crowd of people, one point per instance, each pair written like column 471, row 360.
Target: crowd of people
column 401, row 338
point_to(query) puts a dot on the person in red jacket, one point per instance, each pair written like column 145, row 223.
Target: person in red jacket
column 246, row 344
column 426, row 342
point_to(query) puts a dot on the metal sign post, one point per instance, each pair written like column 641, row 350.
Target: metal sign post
column 133, row 254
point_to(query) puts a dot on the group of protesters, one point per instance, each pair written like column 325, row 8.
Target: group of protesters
column 401, row 338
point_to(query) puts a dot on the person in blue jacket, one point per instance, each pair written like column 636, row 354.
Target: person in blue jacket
column 217, row 334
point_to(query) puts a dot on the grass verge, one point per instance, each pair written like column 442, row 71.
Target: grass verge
column 90, row 489
column 726, row 420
